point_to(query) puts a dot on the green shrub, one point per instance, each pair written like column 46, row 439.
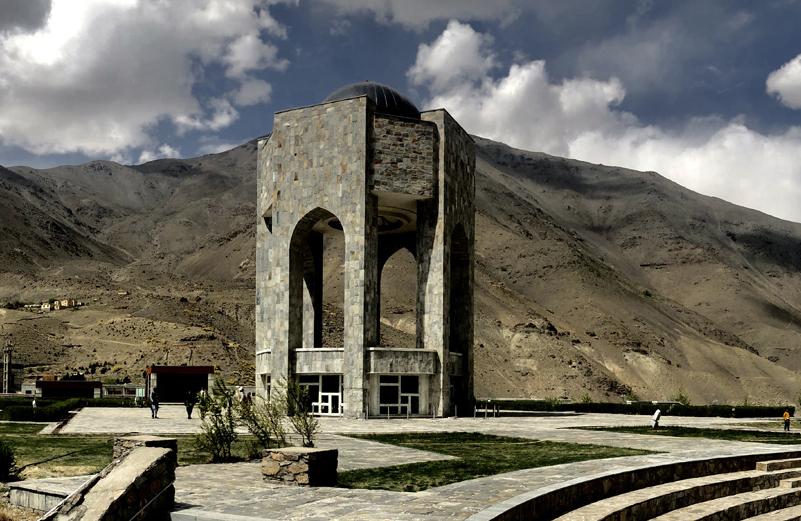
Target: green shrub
column 297, row 405
column 585, row 398
column 264, row 420
column 8, row 461
column 552, row 403
column 218, row 426
column 681, row 396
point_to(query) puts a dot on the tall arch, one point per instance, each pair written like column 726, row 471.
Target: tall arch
column 459, row 284
column 402, row 262
column 305, row 326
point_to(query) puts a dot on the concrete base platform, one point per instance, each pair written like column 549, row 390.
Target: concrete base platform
column 44, row 494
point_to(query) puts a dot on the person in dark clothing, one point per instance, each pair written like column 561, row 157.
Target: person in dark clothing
column 189, row 403
column 154, row 403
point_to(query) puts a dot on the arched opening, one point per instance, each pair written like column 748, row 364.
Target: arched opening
column 313, row 262
column 460, row 320
column 316, row 256
column 333, row 320
column 398, row 300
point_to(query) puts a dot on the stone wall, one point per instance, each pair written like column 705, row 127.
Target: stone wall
column 447, row 321
column 126, row 444
column 301, row 182
column 301, row 466
column 138, row 486
column 405, row 153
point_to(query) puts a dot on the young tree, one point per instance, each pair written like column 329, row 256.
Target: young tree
column 264, row 418
column 218, row 428
column 297, row 404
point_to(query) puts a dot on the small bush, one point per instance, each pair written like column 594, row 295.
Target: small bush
column 218, row 425
column 552, row 403
column 631, row 396
column 264, row 419
column 585, row 398
column 8, row 461
column 681, row 396
column 297, row 405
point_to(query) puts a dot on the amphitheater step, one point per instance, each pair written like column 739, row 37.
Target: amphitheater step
column 785, row 514
column 737, row 507
column 646, row 503
column 779, row 464
column 791, row 483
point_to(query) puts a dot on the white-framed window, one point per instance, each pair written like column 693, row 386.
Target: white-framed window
column 398, row 394
column 325, row 392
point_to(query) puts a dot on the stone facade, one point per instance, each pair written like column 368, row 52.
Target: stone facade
column 383, row 183
column 301, row 466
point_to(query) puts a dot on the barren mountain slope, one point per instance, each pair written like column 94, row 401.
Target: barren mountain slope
column 589, row 278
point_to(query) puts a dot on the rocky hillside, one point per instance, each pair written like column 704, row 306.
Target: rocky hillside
column 589, row 278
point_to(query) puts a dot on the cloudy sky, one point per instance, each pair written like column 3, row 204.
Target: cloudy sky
column 706, row 93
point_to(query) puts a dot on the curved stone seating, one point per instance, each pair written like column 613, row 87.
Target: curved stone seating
column 785, row 514
column 647, row 503
column 736, row 507
column 649, row 491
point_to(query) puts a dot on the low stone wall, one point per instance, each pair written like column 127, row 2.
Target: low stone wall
column 555, row 500
column 126, row 444
column 301, row 466
column 137, row 486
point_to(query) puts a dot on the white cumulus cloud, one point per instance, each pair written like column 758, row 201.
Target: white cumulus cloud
column 99, row 75
column 580, row 118
column 161, row 152
column 785, row 83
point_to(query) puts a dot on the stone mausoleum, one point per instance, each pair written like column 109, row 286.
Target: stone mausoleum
column 366, row 167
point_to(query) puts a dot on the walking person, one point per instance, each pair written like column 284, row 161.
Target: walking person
column 786, row 418
column 154, row 403
column 189, row 403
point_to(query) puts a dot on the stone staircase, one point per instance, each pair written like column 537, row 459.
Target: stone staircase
column 771, row 492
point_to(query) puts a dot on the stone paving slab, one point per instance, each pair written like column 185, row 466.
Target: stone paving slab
column 236, row 492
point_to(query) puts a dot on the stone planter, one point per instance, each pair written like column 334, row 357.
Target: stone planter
column 302, row 466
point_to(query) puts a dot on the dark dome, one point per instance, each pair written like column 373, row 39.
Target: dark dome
column 387, row 100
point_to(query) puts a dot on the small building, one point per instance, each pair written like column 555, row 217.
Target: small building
column 64, row 304
column 122, row 390
column 174, row 381
column 68, row 389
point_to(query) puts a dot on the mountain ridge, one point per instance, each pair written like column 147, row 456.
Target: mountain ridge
column 589, row 278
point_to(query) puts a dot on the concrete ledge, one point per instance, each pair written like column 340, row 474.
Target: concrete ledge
column 554, row 500
column 124, row 445
column 301, row 466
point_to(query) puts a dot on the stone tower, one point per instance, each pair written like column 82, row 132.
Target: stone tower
column 365, row 165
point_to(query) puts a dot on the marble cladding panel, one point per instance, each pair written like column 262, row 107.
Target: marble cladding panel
column 319, row 361
column 264, row 361
column 402, row 361
column 405, row 156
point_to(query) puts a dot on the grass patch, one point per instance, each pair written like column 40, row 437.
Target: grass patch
column 478, row 455
column 90, row 453
column 20, row 428
column 780, row 437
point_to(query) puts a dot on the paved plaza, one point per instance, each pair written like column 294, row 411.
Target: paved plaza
column 236, row 492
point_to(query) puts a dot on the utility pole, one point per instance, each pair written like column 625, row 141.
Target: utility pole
column 7, row 374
